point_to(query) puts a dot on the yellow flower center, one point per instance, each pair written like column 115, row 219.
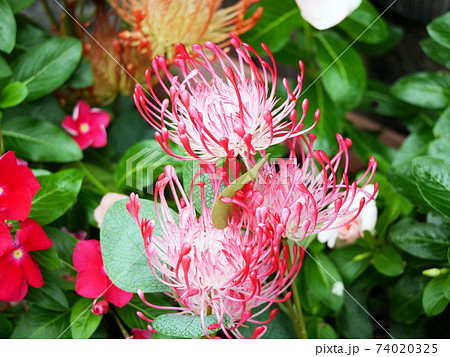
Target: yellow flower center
column 18, row 253
column 84, row 128
column 1, row 191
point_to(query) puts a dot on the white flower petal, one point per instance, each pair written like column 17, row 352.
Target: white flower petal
column 323, row 14
column 369, row 216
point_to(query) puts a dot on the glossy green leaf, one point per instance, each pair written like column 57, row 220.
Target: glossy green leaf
column 8, row 27
column 433, row 180
column 442, row 127
column 183, row 326
column 6, row 327
column 317, row 328
column 47, row 258
column 5, row 70
column 434, row 301
column 388, row 262
column 342, row 71
column 14, row 93
column 365, row 20
column 447, row 287
column 82, row 77
column 63, row 243
column 123, row 248
column 36, row 140
column 83, row 322
column 17, row 5
column 414, row 145
column 424, row 89
column 439, row 30
column 405, row 299
column 436, row 51
column 46, row 67
column 43, row 323
column 29, row 36
column 275, row 26
column 50, row 295
column 352, row 320
column 142, row 164
column 421, row 240
column 351, row 260
column 57, row 194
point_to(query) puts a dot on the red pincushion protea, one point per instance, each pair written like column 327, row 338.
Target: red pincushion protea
column 17, row 267
column 307, row 196
column 225, row 273
column 225, row 110
column 87, row 125
column 92, row 280
column 18, row 185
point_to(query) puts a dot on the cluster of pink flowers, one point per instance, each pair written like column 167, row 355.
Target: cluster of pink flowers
column 231, row 111
column 18, row 268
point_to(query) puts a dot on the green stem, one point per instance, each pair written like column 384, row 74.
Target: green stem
column 294, row 318
column 93, row 179
column 49, row 12
column 122, row 328
column 2, row 145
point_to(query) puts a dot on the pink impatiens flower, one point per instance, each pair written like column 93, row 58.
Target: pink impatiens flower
column 308, row 196
column 18, row 185
column 87, row 125
column 17, row 267
column 225, row 273
column 92, row 280
column 224, row 109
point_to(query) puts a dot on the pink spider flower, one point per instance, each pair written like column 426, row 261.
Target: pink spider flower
column 308, row 196
column 225, row 273
column 87, row 125
column 224, row 110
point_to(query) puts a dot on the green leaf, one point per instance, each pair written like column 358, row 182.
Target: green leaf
column 442, row 127
column 6, row 327
column 47, row 258
column 29, row 36
column 365, row 19
column 349, row 262
column 414, row 145
column 274, row 28
column 83, row 321
column 447, row 287
column 433, row 180
column 424, row 89
column 221, row 210
column 8, row 27
column 5, row 70
column 405, row 299
column 388, row 262
column 50, row 296
column 436, row 51
column 63, row 243
column 352, row 320
column 46, row 67
column 142, row 164
column 17, row 5
column 43, row 323
column 123, row 248
column 82, row 77
column 57, row 194
column 439, row 30
column 12, row 94
column 319, row 329
column 421, row 240
column 343, row 74
column 36, row 140
column 184, row 326
column 377, row 99
column 434, row 301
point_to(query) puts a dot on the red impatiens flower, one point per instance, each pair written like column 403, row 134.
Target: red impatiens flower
column 17, row 267
column 92, row 280
column 18, row 186
column 87, row 125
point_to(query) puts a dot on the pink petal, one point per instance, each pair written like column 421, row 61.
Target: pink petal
column 83, row 140
column 81, row 110
column 91, row 283
column 6, row 241
column 99, row 117
column 13, row 285
column 87, row 255
column 18, row 204
column 117, row 296
column 32, row 237
column 31, row 270
column 69, row 125
column 99, row 137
